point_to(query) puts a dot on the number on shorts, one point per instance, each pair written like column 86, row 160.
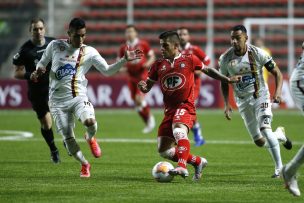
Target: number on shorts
column 87, row 103
column 264, row 105
column 180, row 112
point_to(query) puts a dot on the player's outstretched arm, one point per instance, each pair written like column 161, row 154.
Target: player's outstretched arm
column 225, row 93
column 212, row 72
column 145, row 86
column 279, row 82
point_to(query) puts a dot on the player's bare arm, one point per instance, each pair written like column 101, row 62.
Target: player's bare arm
column 212, row 72
column 133, row 55
column 279, row 82
column 145, row 86
column 150, row 59
column 225, row 92
column 20, row 73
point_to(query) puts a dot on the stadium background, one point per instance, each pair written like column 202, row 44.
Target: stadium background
column 208, row 21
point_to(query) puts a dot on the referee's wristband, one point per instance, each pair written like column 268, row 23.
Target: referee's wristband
column 27, row 75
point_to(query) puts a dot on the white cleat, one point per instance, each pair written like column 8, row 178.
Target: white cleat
column 291, row 183
column 150, row 125
column 198, row 169
column 179, row 171
column 280, row 133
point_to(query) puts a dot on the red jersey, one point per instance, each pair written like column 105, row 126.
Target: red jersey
column 195, row 50
column 176, row 79
column 135, row 68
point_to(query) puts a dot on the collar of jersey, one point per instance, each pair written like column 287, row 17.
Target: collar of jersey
column 132, row 44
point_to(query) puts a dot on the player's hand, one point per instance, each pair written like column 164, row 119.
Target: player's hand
column 277, row 98
column 34, row 76
column 40, row 71
column 228, row 112
column 235, row 79
column 142, row 86
column 133, row 55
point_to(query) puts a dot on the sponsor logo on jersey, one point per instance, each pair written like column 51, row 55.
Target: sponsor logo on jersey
column 61, row 47
column 173, row 81
column 182, row 65
column 16, row 56
column 163, row 68
column 246, row 81
column 65, row 70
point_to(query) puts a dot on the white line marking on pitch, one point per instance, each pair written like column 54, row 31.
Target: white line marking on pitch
column 14, row 135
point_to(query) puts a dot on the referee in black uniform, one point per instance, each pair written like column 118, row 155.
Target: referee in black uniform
column 25, row 65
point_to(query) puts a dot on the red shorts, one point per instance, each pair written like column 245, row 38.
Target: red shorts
column 197, row 86
column 184, row 114
column 132, row 84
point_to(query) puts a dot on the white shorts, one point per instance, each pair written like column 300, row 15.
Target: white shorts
column 63, row 114
column 297, row 92
column 251, row 111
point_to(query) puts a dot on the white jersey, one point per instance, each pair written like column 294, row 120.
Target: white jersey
column 250, row 67
column 69, row 66
column 298, row 72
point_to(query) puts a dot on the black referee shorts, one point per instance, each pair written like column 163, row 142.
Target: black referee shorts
column 39, row 103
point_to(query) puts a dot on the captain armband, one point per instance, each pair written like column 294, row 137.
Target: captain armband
column 270, row 65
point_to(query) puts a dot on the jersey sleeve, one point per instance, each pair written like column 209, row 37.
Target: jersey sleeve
column 18, row 58
column 47, row 56
column 152, row 74
column 121, row 51
column 222, row 66
column 266, row 60
column 197, row 63
column 147, row 47
column 202, row 56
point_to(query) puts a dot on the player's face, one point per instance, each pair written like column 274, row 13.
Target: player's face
column 77, row 37
column 131, row 34
column 37, row 31
column 238, row 40
column 184, row 36
column 168, row 48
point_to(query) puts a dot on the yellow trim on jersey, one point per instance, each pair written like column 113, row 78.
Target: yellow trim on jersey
column 253, row 68
column 74, row 79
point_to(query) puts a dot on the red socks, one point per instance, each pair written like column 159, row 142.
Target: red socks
column 183, row 149
column 192, row 159
column 145, row 113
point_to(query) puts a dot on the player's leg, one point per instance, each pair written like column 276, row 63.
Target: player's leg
column 196, row 129
column 289, row 171
column 42, row 110
column 64, row 122
column 141, row 106
column 84, row 111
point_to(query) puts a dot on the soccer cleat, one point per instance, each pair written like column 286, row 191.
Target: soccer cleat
column 199, row 168
column 276, row 174
column 150, row 125
column 197, row 132
column 55, row 157
column 291, row 183
column 94, row 146
column 85, row 170
column 179, row 171
column 280, row 132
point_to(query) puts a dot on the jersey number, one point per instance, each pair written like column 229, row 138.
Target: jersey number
column 180, row 112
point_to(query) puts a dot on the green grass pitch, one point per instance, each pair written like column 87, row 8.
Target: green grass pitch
column 237, row 172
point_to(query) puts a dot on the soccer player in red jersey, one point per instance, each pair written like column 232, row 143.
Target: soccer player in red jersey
column 137, row 71
column 175, row 73
column 187, row 48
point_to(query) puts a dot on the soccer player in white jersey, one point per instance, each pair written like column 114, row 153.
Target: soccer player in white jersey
column 71, row 60
column 297, row 91
column 251, row 93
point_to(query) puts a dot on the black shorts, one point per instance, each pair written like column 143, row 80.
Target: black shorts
column 39, row 103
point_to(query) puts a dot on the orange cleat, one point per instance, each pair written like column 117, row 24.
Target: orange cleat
column 95, row 149
column 85, row 171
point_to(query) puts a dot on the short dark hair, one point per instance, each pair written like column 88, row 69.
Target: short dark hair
column 77, row 23
column 35, row 20
column 239, row 27
column 131, row 26
column 172, row 35
column 183, row 28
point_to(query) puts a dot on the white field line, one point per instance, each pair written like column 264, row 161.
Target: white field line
column 21, row 136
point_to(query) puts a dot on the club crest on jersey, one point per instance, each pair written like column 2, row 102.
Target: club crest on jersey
column 163, row 68
column 65, row 70
column 61, row 48
column 182, row 65
column 173, row 81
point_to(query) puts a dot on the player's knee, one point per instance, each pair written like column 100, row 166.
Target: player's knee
column 260, row 142
column 167, row 154
column 180, row 134
column 89, row 122
column 265, row 123
column 72, row 145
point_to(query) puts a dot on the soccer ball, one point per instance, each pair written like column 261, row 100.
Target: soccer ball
column 160, row 171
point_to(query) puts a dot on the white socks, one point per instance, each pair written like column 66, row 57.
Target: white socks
column 273, row 147
column 296, row 162
column 79, row 157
